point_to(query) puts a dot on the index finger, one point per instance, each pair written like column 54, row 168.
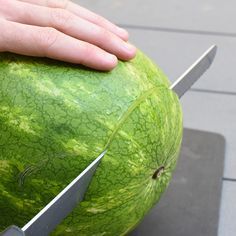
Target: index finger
column 83, row 13
column 48, row 42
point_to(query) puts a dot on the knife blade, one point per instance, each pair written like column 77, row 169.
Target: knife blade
column 53, row 213
column 194, row 72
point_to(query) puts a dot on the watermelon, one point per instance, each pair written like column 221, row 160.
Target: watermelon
column 56, row 118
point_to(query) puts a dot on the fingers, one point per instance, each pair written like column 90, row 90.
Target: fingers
column 48, row 42
column 62, row 30
column 74, row 26
column 83, row 13
column 99, row 20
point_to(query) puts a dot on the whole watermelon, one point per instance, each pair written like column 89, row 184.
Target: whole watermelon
column 56, row 118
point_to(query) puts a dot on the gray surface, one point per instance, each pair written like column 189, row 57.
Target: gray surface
column 228, row 209
column 194, row 25
column 174, row 52
column 215, row 113
column 190, row 206
column 205, row 15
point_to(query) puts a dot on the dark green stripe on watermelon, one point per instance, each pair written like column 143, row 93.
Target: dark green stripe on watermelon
column 55, row 118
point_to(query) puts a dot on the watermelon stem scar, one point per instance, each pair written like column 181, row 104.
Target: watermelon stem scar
column 158, row 172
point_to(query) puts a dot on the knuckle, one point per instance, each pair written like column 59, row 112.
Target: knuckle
column 103, row 34
column 58, row 3
column 60, row 17
column 46, row 38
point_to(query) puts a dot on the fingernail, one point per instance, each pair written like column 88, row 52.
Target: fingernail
column 129, row 48
column 110, row 58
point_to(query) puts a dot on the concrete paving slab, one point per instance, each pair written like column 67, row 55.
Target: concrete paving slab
column 227, row 226
column 175, row 52
column 190, row 206
column 203, row 15
column 216, row 113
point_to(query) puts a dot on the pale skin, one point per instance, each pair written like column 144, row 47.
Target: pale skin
column 62, row 30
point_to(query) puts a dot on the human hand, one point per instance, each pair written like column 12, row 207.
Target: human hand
column 62, row 30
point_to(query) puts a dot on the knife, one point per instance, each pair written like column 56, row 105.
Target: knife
column 194, row 72
column 53, row 213
column 56, row 210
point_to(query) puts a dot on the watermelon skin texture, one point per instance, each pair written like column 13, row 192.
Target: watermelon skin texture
column 56, row 118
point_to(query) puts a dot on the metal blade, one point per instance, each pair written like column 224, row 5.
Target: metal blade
column 52, row 214
column 195, row 71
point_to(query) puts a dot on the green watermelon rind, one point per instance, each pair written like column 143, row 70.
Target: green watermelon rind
column 56, row 118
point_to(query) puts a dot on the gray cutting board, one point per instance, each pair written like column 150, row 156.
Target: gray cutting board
column 190, row 205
